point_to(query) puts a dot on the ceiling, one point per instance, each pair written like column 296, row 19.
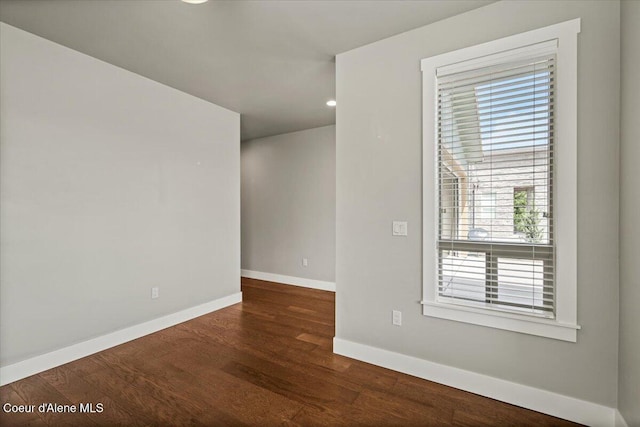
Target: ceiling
column 271, row 61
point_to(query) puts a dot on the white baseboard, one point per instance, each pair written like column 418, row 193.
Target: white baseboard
column 620, row 421
column 544, row 401
column 290, row 280
column 34, row 365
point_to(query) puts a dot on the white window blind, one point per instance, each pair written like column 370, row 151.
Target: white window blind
column 495, row 169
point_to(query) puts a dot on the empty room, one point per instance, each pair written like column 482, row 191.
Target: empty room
column 319, row 213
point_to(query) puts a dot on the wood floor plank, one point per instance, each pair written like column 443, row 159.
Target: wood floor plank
column 287, row 290
column 72, row 386
column 265, row 362
column 373, row 376
column 275, row 298
column 291, row 384
column 350, row 415
column 317, row 358
column 30, row 418
column 35, row 390
column 257, row 310
column 312, row 323
column 181, row 383
column 319, row 340
column 411, row 412
column 250, row 404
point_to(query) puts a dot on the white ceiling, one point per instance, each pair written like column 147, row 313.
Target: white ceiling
column 272, row 61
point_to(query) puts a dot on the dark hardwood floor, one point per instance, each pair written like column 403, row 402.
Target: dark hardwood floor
column 264, row 362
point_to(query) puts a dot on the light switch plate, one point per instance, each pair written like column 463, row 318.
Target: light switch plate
column 399, row 228
column 397, row 317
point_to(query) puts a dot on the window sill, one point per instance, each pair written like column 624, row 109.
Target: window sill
column 548, row 328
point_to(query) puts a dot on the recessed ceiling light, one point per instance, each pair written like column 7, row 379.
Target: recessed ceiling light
column 331, row 103
column 195, row 1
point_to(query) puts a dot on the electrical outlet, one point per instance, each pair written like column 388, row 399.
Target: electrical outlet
column 305, row 262
column 155, row 292
column 397, row 317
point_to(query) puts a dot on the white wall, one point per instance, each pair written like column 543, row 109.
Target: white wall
column 629, row 373
column 110, row 184
column 288, row 204
column 379, row 168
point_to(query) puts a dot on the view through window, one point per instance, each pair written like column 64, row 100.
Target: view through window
column 495, row 178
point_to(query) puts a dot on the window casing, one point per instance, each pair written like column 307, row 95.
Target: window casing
column 492, row 135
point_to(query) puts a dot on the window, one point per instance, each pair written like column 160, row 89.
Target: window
column 499, row 143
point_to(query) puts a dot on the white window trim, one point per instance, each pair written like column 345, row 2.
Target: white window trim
column 563, row 37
